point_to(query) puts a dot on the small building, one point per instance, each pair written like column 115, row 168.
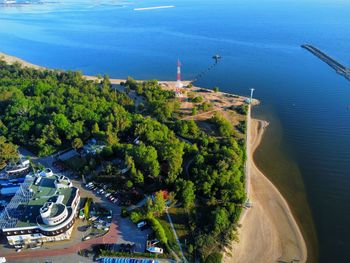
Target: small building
column 93, row 148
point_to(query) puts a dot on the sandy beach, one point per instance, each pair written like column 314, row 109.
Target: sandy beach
column 11, row 59
column 269, row 232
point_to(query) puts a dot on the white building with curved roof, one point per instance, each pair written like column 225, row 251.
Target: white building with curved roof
column 46, row 211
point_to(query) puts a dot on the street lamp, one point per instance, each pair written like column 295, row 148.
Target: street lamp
column 251, row 95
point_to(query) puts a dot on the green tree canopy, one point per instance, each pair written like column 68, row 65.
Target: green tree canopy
column 8, row 152
column 186, row 193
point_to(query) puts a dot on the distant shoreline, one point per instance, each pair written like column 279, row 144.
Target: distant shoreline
column 116, row 81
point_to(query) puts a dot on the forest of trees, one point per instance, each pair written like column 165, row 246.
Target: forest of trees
column 47, row 111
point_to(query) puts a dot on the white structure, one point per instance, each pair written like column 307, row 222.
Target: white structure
column 22, row 166
column 179, row 84
column 46, row 173
column 53, row 213
column 251, row 95
column 43, row 210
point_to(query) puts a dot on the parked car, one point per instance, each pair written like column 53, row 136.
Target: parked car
column 86, row 238
column 154, row 242
column 156, row 250
column 122, row 248
column 141, row 224
column 128, row 248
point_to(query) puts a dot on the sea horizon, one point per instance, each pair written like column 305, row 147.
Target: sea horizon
column 306, row 149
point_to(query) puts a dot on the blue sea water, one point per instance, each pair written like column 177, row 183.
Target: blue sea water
column 259, row 41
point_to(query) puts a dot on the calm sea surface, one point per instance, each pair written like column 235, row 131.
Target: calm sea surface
column 306, row 151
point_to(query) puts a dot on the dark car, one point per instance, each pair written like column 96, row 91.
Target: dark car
column 128, row 248
column 133, row 248
column 122, row 248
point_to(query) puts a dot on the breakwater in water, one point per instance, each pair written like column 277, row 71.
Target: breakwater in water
column 338, row 67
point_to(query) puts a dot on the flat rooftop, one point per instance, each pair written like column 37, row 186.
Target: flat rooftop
column 44, row 191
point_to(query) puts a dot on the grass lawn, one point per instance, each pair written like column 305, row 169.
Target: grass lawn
column 180, row 220
column 163, row 220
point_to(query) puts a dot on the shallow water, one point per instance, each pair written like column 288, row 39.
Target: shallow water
column 308, row 142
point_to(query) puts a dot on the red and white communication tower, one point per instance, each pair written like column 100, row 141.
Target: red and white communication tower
column 179, row 84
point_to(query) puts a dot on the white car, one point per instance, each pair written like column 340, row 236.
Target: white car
column 156, row 250
column 108, row 194
column 141, row 224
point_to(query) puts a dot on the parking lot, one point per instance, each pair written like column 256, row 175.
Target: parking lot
column 128, row 233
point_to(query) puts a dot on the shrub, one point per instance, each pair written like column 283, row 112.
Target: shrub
column 197, row 99
column 242, row 126
column 242, row 109
column 135, row 217
column 194, row 111
column 124, row 212
column 214, row 257
column 87, row 207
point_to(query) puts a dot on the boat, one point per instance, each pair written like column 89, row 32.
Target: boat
column 7, row 2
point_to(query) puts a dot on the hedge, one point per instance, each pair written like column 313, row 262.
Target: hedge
column 87, row 207
column 158, row 230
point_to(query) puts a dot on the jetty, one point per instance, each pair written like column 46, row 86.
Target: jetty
column 338, row 67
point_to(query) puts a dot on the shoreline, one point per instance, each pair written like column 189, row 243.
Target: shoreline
column 269, row 232
column 269, row 227
column 116, row 81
